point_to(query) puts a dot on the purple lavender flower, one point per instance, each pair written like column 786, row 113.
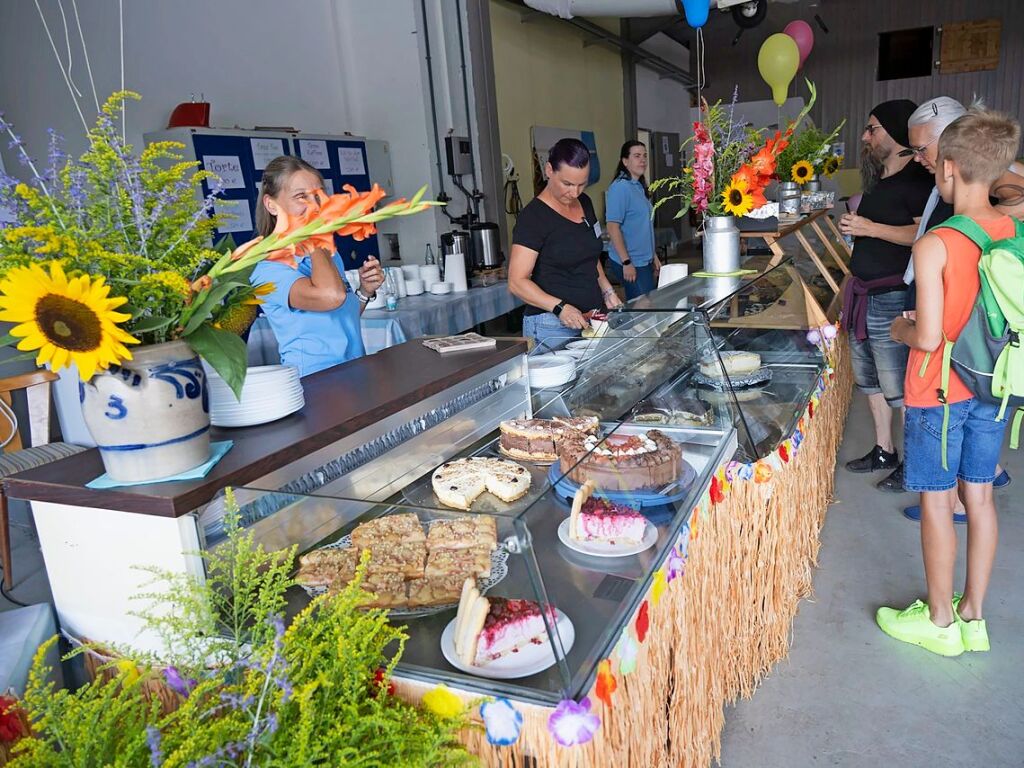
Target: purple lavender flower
column 156, row 755
column 177, row 683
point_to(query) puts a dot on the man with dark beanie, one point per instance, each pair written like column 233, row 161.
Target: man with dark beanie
column 884, row 227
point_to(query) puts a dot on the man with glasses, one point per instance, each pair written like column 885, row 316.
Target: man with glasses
column 884, row 227
column 924, row 127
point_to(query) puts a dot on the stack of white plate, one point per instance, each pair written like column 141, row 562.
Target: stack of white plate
column 270, row 392
column 551, row 370
column 414, row 286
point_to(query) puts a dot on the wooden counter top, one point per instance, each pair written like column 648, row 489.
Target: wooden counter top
column 339, row 401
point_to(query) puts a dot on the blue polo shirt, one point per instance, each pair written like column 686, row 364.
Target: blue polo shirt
column 311, row 341
column 628, row 206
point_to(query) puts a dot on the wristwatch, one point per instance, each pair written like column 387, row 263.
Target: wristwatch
column 626, row 262
column 363, row 298
column 558, row 308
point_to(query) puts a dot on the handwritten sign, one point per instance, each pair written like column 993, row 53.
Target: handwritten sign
column 351, row 160
column 228, row 168
column 265, row 150
column 237, row 217
column 314, row 153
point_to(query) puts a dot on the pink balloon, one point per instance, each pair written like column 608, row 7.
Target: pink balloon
column 803, row 35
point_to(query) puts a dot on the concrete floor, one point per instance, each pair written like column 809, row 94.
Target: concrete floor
column 848, row 695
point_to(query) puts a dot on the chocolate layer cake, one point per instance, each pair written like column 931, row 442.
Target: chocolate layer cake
column 537, row 439
column 622, row 462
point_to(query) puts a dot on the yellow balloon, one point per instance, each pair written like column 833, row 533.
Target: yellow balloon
column 777, row 62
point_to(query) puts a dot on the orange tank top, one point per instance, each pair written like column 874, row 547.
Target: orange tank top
column 960, row 286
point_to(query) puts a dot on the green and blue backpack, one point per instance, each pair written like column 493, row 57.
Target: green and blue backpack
column 987, row 355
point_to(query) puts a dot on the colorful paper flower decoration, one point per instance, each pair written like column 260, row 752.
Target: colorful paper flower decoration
column 658, row 586
column 746, row 472
column 606, row 684
column 784, row 452
column 502, row 722
column 716, row 491
column 627, row 650
column 643, row 621
column 571, row 723
column 762, row 472
column 442, row 702
column 675, row 562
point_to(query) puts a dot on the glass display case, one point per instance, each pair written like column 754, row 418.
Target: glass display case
column 662, row 363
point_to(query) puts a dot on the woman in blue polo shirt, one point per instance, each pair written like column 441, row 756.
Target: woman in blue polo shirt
column 312, row 310
column 628, row 213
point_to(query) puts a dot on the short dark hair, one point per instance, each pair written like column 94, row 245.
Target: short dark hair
column 274, row 175
column 571, row 152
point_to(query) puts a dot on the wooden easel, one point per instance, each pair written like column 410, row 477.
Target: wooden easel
column 795, row 226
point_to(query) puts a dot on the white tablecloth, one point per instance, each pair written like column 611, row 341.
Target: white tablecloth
column 425, row 315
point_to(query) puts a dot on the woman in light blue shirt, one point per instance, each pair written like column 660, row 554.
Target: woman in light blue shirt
column 312, row 310
column 628, row 212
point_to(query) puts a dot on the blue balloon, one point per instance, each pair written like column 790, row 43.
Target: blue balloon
column 696, row 12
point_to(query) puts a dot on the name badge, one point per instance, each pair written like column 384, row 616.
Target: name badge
column 597, row 230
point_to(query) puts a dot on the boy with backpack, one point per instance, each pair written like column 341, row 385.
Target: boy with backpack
column 955, row 423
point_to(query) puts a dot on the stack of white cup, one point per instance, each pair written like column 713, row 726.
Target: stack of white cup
column 430, row 274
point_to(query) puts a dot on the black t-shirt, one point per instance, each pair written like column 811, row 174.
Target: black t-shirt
column 567, row 253
column 943, row 211
column 896, row 200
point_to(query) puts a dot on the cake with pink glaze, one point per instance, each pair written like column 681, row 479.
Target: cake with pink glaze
column 488, row 628
column 599, row 520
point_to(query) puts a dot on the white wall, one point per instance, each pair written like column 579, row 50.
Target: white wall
column 324, row 66
column 663, row 105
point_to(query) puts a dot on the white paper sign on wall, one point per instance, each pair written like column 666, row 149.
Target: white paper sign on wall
column 351, row 160
column 265, row 150
column 228, row 168
column 329, row 186
column 314, row 152
column 237, row 217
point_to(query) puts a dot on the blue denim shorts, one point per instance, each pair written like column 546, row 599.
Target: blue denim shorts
column 974, row 440
column 547, row 330
column 879, row 363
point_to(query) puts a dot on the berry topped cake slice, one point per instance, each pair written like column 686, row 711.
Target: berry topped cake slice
column 599, row 520
column 487, row 629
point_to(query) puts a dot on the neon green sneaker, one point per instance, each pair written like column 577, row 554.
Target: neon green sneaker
column 973, row 634
column 914, row 625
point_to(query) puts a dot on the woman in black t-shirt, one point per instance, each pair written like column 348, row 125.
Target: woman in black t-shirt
column 554, row 266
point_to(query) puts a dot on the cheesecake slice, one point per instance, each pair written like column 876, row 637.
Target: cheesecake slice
column 599, row 520
column 487, row 629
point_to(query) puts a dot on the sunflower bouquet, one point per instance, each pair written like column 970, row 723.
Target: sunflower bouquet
column 732, row 163
column 809, row 154
column 114, row 249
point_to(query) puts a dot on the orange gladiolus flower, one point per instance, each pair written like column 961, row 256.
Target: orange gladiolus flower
column 202, row 283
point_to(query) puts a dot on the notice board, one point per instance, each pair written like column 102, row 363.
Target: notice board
column 970, row 46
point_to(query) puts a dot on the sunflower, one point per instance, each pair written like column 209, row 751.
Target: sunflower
column 736, row 199
column 802, row 171
column 68, row 321
column 259, row 292
column 831, row 165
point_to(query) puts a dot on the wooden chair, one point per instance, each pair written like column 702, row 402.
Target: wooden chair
column 18, row 458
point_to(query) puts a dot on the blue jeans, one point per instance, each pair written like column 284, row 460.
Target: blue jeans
column 547, row 330
column 974, row 440
column 879, row 363
column 643, row 284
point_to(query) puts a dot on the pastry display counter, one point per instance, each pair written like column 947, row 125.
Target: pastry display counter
column 693, row 433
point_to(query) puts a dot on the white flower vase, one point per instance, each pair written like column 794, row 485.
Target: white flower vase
column 150, row 417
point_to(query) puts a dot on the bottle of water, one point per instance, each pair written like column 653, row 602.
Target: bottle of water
column 429, row 258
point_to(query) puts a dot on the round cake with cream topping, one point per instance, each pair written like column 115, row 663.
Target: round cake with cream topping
column 621, row 462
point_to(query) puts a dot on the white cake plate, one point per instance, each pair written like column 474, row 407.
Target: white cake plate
column 604, row 549
column 523, row 663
